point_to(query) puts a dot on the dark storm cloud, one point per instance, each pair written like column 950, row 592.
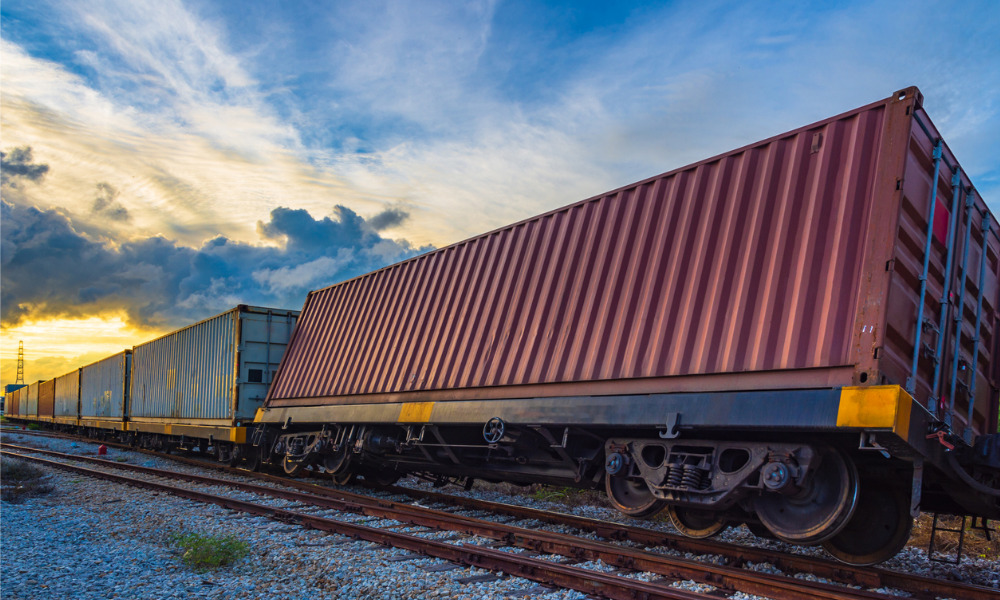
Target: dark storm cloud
column 389, row 217
column 17, row 164
column 50, row 269
column 107, row 205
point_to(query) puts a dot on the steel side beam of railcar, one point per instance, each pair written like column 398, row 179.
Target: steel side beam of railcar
column 885, row 409
column 113, row 424
column 222, row 433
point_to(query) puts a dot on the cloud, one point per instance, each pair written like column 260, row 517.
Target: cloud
column 193, row 164
column 52, row 269
column 106, row 203
column 466, row 117
column 18, row 164
column 388, row 218
column 303, row 276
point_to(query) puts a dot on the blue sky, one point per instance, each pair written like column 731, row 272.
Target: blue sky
column 412, row 124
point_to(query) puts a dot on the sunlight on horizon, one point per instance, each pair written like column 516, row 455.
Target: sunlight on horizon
column 54, row 347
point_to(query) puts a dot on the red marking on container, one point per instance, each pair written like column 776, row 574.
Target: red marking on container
column 942, row 219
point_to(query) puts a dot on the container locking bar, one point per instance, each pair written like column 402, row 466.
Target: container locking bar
column 969, row 208
column 967, row 434
column 911, row 381
column 956, row 193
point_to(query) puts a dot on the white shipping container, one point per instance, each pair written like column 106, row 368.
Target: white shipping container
column 67, row 395
column 104, row 387
column 215, row 372
column 30, row 409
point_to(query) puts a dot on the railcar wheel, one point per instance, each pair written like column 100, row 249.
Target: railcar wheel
column 254, row 458
column 759, row 530
column 879, row 529
column 291, row 467
column 380, row 477
column 235, row 455
column 632, row 496
column 819, row 510
column 696, row 523
column 342, row 478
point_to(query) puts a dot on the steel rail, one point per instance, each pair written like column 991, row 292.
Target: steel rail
column 726, row 577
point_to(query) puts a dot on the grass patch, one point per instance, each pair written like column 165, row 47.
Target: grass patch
column 206, row 552
column 568, row 496
column 553, row 494
column 22, row 480
column 34, row 427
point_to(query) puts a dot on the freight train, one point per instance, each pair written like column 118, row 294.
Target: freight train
column 800, row 335
column 197, row 387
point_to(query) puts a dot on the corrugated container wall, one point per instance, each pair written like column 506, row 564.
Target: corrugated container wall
column 29, row 408
column 217, row 369
column 67, row 395
column 12, row 403
column 769, row 267
column 103, row 387
column 46, row 398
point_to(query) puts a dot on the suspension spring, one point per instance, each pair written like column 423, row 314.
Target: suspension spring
column 692, row 477
column 675, row 475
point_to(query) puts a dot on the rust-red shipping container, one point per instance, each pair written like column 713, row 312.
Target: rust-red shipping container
column 11, row 407
column 796, row 262
column 46, row 399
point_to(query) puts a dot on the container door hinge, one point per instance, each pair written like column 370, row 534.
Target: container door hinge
column 817, row 142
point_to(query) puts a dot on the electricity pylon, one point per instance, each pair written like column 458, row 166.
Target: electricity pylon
column 20, row 363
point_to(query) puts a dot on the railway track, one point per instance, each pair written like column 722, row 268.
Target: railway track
column 574, row 549
column 731, row 555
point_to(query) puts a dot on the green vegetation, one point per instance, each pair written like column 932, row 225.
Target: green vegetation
column 22, row 480
column 205, row 552
column 34, row 427
column 553, row 494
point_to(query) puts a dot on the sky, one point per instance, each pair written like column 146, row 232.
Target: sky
column 166, row 160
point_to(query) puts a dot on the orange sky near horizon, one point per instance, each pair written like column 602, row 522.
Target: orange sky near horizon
column 55, row 347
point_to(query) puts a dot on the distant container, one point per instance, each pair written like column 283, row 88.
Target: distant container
column 10, row 387
column 29, row 404
column 46, row 399
column 12, row 402
column 104, row 391
column 213, row 373
column 67, row 398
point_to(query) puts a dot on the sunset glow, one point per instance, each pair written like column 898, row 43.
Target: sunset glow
column 57, row 346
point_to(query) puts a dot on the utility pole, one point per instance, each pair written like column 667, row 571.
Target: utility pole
column 20, row 363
